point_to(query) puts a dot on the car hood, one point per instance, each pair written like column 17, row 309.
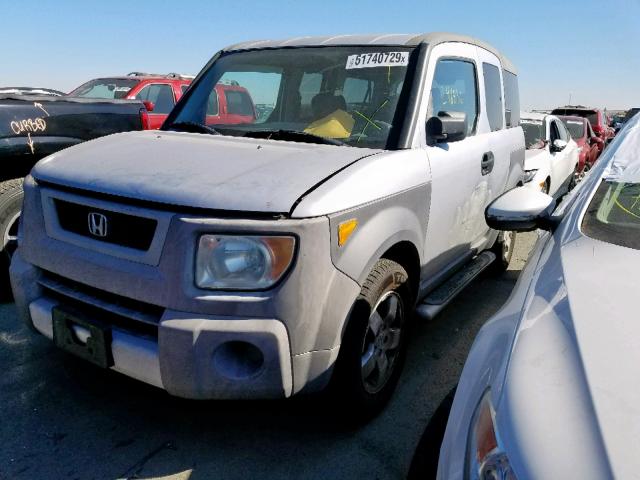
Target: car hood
column 198, row 170
column 534, row 159
column 575, row 364
column 602, row 288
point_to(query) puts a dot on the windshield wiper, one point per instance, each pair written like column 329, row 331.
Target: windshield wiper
column 193, row 127
column 292, row 135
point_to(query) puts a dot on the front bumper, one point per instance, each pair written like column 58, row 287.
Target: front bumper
column 191, row 356
column 166, row 331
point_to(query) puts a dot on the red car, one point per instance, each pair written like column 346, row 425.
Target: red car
column 159, row 93
column 596, row 117
column 231, row 104
column 589, row 144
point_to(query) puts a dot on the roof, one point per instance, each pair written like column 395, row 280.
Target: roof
column 389, row 39
column 572, row 118
column 574, row 108
column 533, row 116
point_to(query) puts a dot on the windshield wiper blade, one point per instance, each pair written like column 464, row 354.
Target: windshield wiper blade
column 193, row 127
column 282, row 133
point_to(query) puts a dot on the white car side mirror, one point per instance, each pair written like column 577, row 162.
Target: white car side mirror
column 558, row 145
column 522, row 209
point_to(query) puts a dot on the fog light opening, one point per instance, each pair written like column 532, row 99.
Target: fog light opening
column 238, row 360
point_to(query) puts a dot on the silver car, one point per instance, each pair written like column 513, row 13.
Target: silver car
column 265, row 247
column 550, row 389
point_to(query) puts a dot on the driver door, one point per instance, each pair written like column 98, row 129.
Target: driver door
column 459, row 187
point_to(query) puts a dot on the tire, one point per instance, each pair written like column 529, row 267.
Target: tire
column 572, row 181
column 11, row 196
column 503, row 250
column 374, row 343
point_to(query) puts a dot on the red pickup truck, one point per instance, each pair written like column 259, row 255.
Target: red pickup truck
column 159, row 93
column 232, row 103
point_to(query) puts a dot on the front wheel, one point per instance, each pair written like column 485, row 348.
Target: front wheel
column 374, row 343
column 11, row 195
column 503, row 249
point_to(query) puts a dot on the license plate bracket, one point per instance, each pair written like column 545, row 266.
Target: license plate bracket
column 96, row 348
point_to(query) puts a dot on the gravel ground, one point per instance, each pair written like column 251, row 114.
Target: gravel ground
column 63, row 418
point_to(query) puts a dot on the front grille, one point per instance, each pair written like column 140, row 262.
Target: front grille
column 105, row 225
column 122, row 312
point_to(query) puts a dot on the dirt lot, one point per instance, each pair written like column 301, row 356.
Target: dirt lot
column 63, row 418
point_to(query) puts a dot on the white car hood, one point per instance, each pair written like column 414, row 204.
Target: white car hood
column 535, row 159
column 196, row 170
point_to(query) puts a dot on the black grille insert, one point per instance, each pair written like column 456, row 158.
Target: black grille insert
column 106, row 226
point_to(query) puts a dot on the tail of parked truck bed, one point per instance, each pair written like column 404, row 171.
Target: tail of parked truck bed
column 32, row 127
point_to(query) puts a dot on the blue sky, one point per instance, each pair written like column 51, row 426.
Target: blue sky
column 585, row 48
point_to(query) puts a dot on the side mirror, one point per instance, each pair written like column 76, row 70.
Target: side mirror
column 149, row 105
column 558, row 145
column 447, row 127
column 522, row 209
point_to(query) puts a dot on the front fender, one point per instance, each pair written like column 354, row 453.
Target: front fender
column 381, row 225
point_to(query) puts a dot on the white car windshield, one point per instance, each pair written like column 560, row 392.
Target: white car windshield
column 534, row 134
column 347, row 95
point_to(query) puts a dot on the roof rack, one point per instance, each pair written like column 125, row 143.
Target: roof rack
column 167, row 75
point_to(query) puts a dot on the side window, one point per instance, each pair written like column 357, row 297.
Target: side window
column 564, row 135
column 161, row 96
column 554, row 132
column 261, row 90
column 239, row 103
column 184, row 88
column 356, row 91
column 493, row 95
column 511, row 99
column 310, row 86
column 212, row 103
column 455, row 89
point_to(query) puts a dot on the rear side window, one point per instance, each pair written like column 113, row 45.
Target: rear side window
column 455, row 89
column 160, row 95
column 238, row 103
column 493, row 94
column 511, row 99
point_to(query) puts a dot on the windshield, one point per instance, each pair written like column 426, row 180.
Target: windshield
column 350, row 95
column 107, row 88
column 613, row 215
column 575, row 127
column 534, row 134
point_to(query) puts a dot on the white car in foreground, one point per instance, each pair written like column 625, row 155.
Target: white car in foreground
column 551, row 157
column 550, row 388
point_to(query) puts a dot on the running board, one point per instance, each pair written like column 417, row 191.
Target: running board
column 435, row 302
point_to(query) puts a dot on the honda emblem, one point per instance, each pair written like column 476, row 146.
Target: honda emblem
column 98, row 224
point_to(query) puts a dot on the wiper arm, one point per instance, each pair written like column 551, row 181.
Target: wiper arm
column 193, row 127
column 282, row 133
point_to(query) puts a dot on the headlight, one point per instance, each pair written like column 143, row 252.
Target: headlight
column 226, row 262
column 528, row 175
column 486, row 459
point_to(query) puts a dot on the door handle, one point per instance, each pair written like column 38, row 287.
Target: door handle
column 486, row 166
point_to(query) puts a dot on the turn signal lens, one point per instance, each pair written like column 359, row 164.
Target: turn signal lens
column 345, row 229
